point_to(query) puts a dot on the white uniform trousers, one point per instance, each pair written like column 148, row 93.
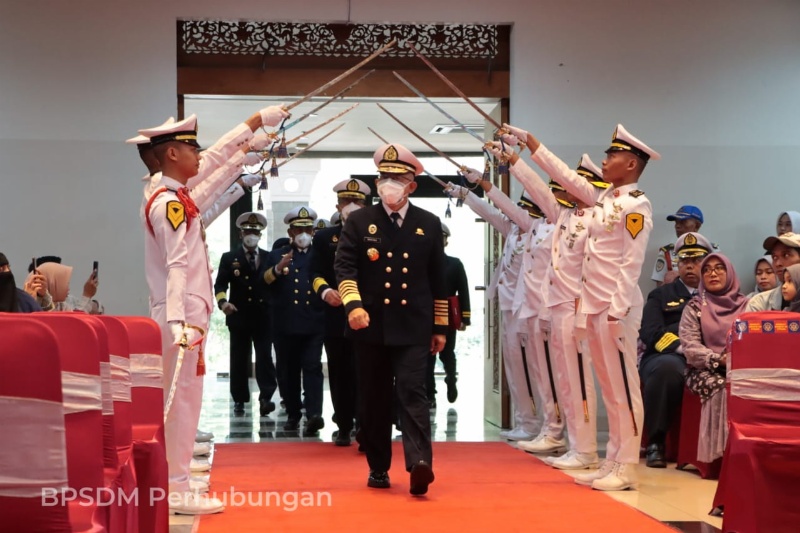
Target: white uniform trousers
column 582, row 433
column 180, row 427
column 524, row 417
column 552, row 425
column 624, row 422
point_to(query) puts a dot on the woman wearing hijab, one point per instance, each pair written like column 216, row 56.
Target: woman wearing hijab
column 766, row 279
column 791, row 288
column 788, row 221
column 58, row 277
column 12, row 299
column 704, row 327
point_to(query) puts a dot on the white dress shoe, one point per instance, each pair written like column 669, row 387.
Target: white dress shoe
column 201, row 448
column 551, row 458
column 198, row 487
column 204, row 478
column 193, row 504
column 203, row 436
column 199, row 465
column 543, row 444
column 587, row 479
column 622, row 477
column 516, row 434
column 576, row 461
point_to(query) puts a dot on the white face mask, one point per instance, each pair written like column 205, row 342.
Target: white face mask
column 349, row 208
column 251, row 241
column 391, row 191
column 302, row 240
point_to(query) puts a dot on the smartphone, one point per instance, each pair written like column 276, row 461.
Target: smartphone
column 94, row 269
column 33, row 262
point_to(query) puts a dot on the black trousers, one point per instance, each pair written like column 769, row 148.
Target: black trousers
column 342, row 379
column 662, row 392
column 300, row 357
column 243, row 340
column 378, row 367
column 448, row 358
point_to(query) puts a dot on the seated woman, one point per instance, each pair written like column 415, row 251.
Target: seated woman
column 791, row 288
column 58, row 276
column 703, row 331
column 766, row 279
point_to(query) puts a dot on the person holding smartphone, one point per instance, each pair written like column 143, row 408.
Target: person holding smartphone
column 50, row 280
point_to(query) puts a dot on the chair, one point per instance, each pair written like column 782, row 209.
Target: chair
column 33, row 458
column 759, row 481
column 689, row 437
column 147, row 396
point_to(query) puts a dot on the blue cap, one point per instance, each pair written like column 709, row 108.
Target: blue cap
column 687, row 211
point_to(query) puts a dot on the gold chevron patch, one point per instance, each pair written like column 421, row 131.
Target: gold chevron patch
column 176, row 214
column 634, row 223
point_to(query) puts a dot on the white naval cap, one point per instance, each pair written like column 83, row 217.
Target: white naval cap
column 397, row 159
column 591, row 172
column 625, row 142
column 182, row 131
column 692, row 244
column 445, row 230
column 251, row 220
column 300, row 217
column 143, row 141
column 322, row 223
column 336, row 219
column 352, row 188
column 525, row 201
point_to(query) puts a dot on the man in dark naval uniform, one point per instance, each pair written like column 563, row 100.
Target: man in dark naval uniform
column 390, row 270
column 352, row 195
column 663, row 364
column 297, row 322
column 247, row 314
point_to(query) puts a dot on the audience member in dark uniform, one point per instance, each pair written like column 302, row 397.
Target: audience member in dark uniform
column 297, row 322
column 247, row 314
column 351, row 195
column 12, row 299
column 390, row 270
column 663, row 365
column 458, row 301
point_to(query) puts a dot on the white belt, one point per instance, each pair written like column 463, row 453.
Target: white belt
column 82, row 392
column 146, row 370
column 120, row 378
column 34, row 453
column 770, row 384
column 105, row 379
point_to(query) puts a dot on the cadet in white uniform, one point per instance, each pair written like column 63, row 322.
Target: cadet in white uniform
column 518, row 225
column 610, row 307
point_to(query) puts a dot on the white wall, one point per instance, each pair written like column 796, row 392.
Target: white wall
column 713, row 85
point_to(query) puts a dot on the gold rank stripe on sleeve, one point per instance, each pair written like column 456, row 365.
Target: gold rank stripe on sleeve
column 348, row 290
column 466, row 314
column 667, row 339
column 220, row 296
column 318, row 283
column 269, row 276
column 440, row 314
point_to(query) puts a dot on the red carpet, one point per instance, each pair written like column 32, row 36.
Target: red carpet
column 479, row 487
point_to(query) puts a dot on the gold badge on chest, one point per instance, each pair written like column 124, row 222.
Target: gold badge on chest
column 420, row 232
column 372, row 229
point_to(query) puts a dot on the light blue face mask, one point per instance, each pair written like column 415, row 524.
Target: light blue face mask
column 302, row 241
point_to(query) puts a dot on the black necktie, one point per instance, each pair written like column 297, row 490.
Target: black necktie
column 251, row 258
column 395, row 220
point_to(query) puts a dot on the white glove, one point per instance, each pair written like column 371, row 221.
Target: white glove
column 260, row 141
column 580, row 334
column 177, row 332
column 496, row 149
column 271, row 116
column 515, row 135
column 251, row 159
column 250, row 180
column 456, row 191
column 192, row 336
column 228, row 308
column 545, row 327
column 472, row 175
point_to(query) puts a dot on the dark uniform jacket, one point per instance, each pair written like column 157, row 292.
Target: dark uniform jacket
column 396, row 275
column 661, row 317
column 295, row 308
column 325, row 243
column 249, row 293
column 456, row 280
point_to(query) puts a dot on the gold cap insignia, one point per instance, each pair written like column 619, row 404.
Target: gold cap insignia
column 390, row 154
column 352, row 186
column 303, row 213
column 690, row 239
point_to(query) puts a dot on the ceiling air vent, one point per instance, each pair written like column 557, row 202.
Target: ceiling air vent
column 447, row 129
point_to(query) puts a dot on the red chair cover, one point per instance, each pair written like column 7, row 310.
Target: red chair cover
column 689, row 436
column 147, row 395
column 761, row 473
column 31, row 415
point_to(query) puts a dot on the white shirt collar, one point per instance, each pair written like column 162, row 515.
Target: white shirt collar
column 403, row 210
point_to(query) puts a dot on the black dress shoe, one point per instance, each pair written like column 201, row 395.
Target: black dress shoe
column 292, row 424
column 655, row 456
column 421, row 477
column 265, row 407
column 452, row 391
column 378, row 480
column 342, row 438
column 314, row 424
column 238, row 408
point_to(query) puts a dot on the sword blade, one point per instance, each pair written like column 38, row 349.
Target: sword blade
column 552, row 381
column 583, row 387
column 378, row 136
column 315, row 128
column 438, row 108
column 455, row 89
column 343, row 75
column 527, row 377
column 431, row 176
column 310, row 146
column 627, row 391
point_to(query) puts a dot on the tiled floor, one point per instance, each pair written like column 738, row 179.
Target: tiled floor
column 679, row 498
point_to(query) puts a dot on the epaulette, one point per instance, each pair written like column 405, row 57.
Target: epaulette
column 637, row 193
column 668, row 247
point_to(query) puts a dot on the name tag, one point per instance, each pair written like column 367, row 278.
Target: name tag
column 374, row 240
